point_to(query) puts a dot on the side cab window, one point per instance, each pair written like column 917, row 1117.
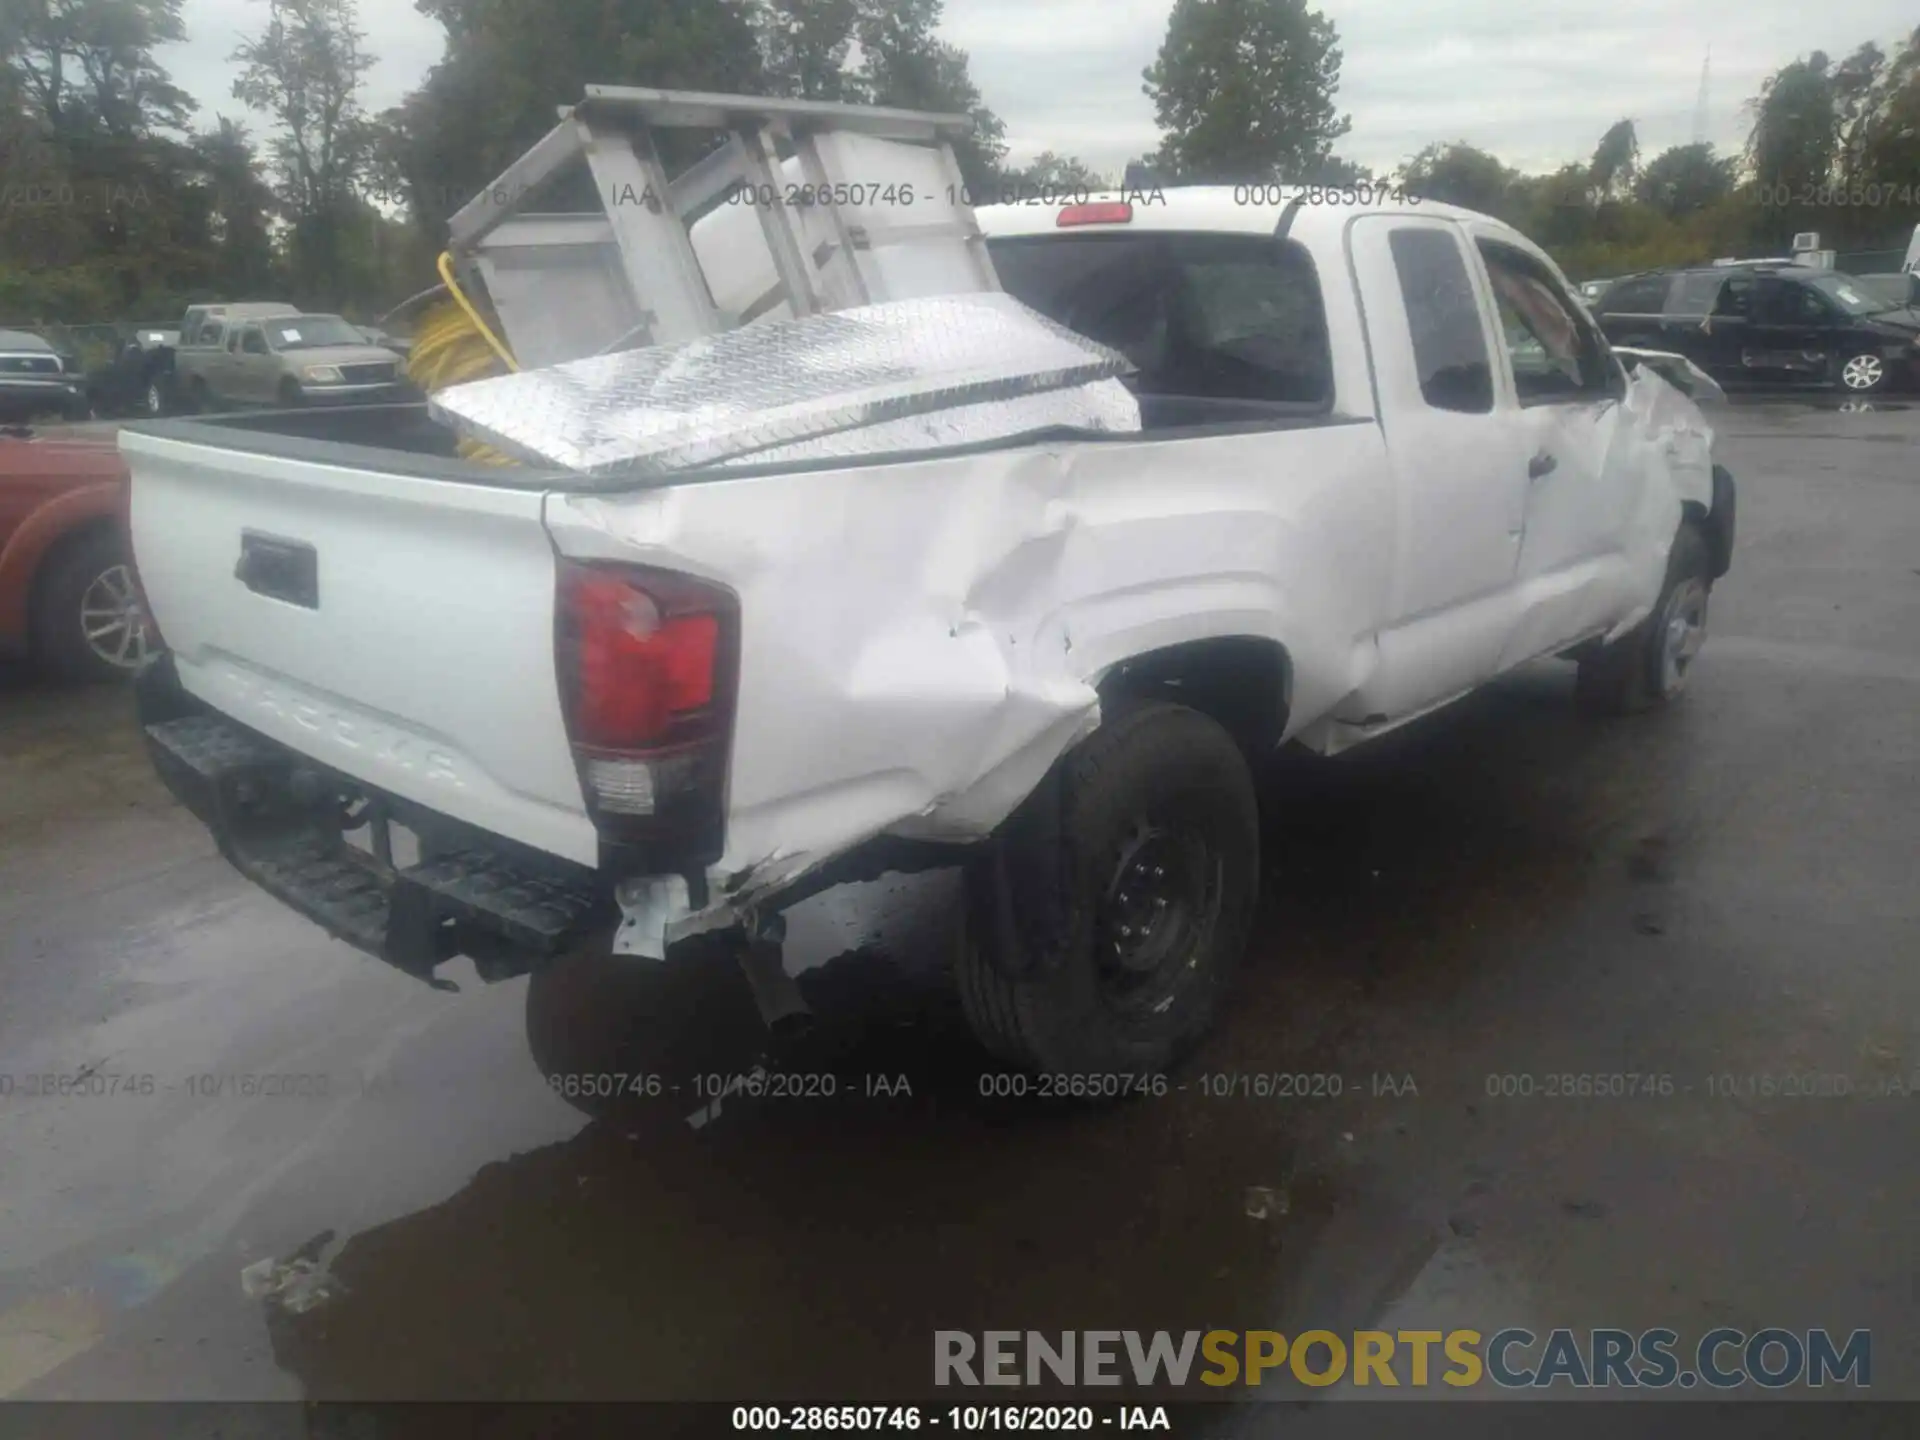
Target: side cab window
column 1637, row 295
column 1787, row 302
column 1735, row 301
column 1443, row 320
column 1696, row 295
column 1556, row 352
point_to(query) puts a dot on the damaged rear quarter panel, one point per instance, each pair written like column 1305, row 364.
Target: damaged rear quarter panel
column 921, row 640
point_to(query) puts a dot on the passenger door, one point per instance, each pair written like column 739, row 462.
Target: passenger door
column 1636, row 311
column 1459, row 465
column 254, row 368
column 212, row 360
column 1795, row 331
column 1707, row 320
column 1730, row 326
column 1562, row 390
column 233, row 368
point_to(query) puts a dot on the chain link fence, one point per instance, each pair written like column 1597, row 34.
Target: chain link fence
column 1868, row 262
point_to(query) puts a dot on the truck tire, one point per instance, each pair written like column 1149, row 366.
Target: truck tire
column 87, row 624
column 1649, row 665
column 1862, row 373
column 1131, row 913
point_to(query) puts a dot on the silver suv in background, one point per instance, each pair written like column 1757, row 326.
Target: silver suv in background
column 237, row 355
column 35, row 379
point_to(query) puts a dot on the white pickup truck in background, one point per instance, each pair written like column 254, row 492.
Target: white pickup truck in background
column 1386, row 456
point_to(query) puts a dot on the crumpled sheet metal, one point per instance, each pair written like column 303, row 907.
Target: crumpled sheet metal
column 1105, row 406
column 1700, row 387
column 669, row 408
column 921, row 640
column 1657, row 452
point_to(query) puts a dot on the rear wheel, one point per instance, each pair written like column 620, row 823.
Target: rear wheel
column 1651, row 663
column 1864, row 373
column 1131, row 915
column 88, row 623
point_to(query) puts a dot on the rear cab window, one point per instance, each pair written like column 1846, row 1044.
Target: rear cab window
column 1229, row 317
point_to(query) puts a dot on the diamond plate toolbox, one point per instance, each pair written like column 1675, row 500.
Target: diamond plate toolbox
column 671, row 408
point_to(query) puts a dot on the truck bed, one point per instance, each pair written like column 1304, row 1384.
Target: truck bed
column 404, row 439
column 940, row 615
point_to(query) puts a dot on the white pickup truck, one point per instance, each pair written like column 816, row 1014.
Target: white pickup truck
column 1386, row 456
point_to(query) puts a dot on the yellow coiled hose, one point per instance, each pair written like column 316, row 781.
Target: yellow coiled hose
column 452, row 344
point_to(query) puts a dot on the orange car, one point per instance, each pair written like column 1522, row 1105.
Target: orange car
column 67, row 593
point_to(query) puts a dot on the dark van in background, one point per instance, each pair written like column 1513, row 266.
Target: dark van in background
column 1768, row 324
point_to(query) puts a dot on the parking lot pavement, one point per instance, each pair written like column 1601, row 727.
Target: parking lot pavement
column 1722, row 895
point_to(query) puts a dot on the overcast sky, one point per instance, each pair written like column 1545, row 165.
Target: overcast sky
column 1534, row 83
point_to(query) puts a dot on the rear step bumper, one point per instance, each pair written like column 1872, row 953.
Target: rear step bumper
column 277, row 817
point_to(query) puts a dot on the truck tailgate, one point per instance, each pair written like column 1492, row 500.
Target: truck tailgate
column 396, row 628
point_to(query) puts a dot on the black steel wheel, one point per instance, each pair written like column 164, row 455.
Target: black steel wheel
column 1132, row 877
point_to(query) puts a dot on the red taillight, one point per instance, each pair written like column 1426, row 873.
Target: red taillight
column 1097, row 212
column 647, row 670
column 638, row 670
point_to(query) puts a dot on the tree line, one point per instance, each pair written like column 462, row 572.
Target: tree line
column 122, row 200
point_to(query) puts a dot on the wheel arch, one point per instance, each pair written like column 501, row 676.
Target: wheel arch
column 1244, row 682
column 84, row 533
column 38, row 540
column 1717, row 522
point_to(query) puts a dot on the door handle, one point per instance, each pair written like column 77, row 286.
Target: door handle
column 280, row 569
column 1541, row 464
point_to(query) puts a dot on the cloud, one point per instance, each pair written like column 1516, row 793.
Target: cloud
column 1535, row 85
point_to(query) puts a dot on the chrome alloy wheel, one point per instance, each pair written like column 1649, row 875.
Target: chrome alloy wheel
column 112, row 620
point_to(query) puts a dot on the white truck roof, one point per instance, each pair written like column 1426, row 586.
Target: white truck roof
column 1232, row 209
column 248, row 309
column 1244, row 210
